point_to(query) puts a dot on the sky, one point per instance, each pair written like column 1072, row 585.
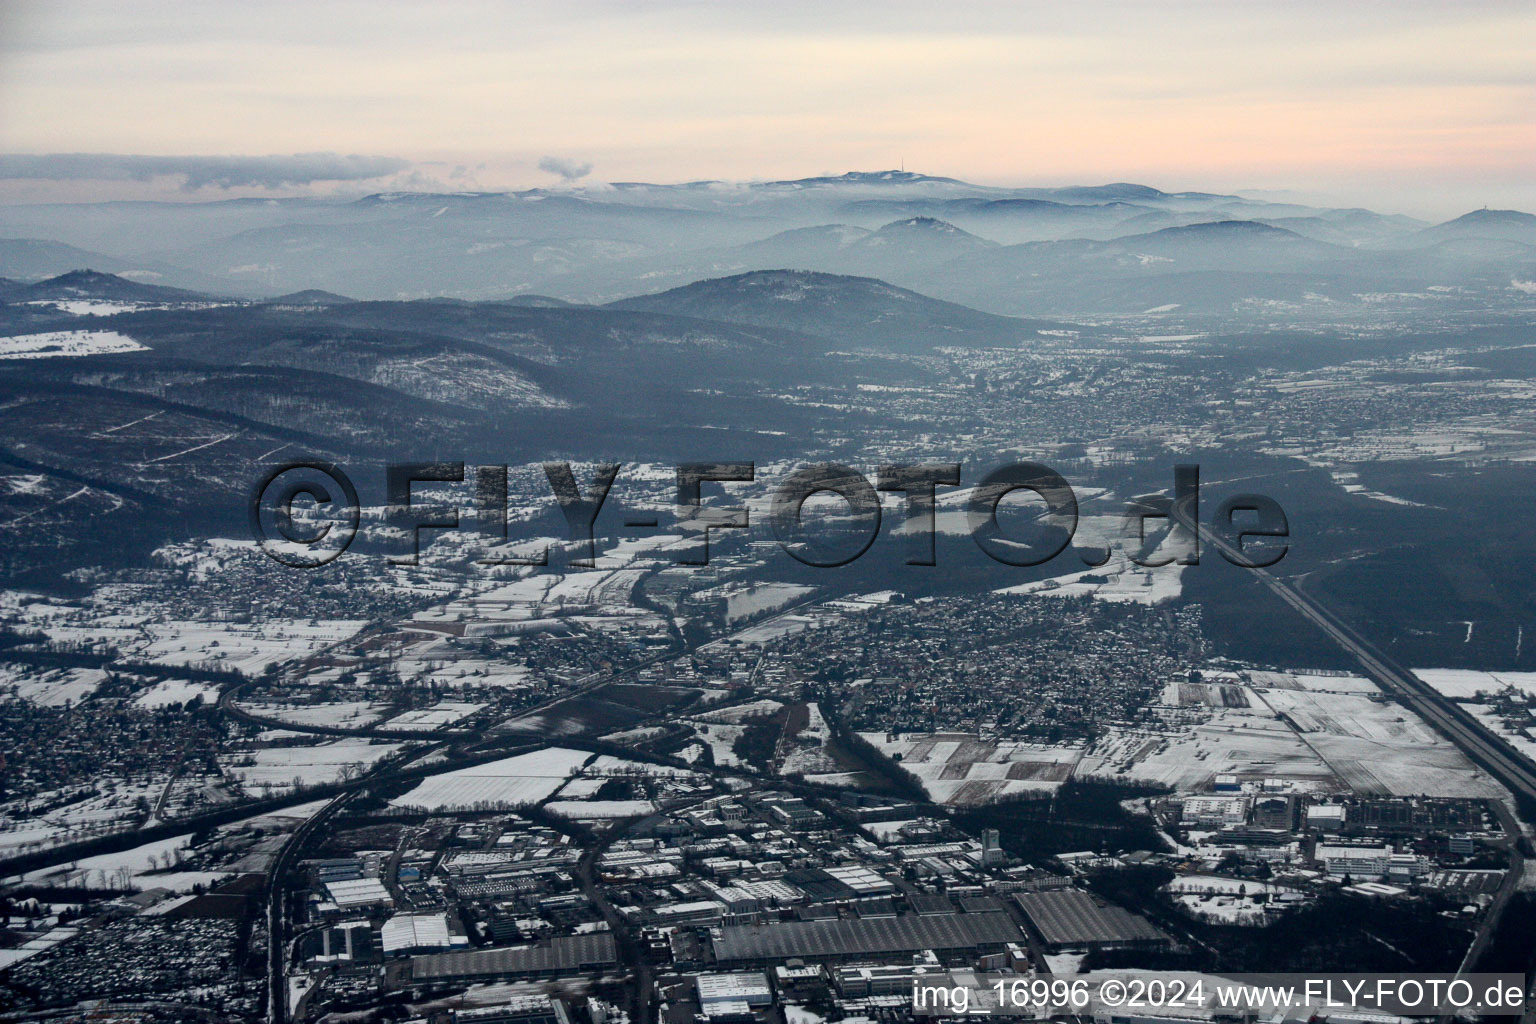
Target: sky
column 1417, row 106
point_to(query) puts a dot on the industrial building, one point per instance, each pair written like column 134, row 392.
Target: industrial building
column 570, row 954
column 948, row 935
column 1073, row 918
column 726, row 997
column 408, row 933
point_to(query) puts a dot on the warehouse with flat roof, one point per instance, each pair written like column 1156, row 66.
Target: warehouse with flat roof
column 1072, row 917
column 568, row 954
column 833, row 940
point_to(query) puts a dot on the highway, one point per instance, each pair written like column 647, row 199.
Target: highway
column 1474, row 739
column 1485, row 749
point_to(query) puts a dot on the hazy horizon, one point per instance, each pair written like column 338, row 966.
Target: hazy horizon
column 1406, row 108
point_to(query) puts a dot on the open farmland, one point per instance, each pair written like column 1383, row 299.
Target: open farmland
column 442, row 713
column 1246, row 742
column 510, row 782
column 341, row 714
column 1461, row 682
column 1314, row 738
column 282, row 768
column 959, row 769
column 248, row 649
column 598, row 809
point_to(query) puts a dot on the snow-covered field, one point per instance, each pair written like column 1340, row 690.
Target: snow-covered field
column 176, row 691
column 808, row 753
column 1223, row 909
column 104, row 807
column 109, row 307
column 1228, row 900
column 341, row 714
column 607, row 764
column 1465, row 682
column 536, row 596
column 133, row 869
column 444, row 712
column 1344, row 714
column 1491, row 719
column 743, row 602
column 581, row 788
column 1219, row 884
column 1380, row 748
column 1324, row 682
column 250, row 649
column 56, row 687
column 600, row 808
column 741, row 712
column 1341, row 741
column 66, row 343
column 958, row 768
column 1129, row 583
column 633, row 736
column 278, row 768
column 1245, row 741
column 510, row 782
column 886, row 831
column 779, row 626
column 721, row 740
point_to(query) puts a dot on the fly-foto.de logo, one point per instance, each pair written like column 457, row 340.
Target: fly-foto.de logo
column 306, row 514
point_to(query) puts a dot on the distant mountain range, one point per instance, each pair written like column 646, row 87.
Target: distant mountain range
column 1075, row 250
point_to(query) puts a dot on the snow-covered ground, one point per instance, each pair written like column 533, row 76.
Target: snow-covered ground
column 959, row 768
column 741, row 712
column 510, row 782
column 721, row 740
column 1223, row 909
column 1227, row 900
column 1326, row 742
column 1521, row 742
column 581, row 788
column 109, row 307
column 1127, row 583
column 1064, row 963
column 807, row 752
column 774, row 628
column 886, row 831
column 340, row 714
column 134, row 869
column 1333, row 682
column 66, row 343
column 279, row 768
column 248, row 648
column 176, row 691
column 745, row 601
column 607, row 764
column 53, row 688
column 444, row 712
column 1465, row 682
column 600, row 808
column 1219, row 884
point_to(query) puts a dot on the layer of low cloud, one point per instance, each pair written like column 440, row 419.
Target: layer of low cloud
column 199, row 172
column 570, row 170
